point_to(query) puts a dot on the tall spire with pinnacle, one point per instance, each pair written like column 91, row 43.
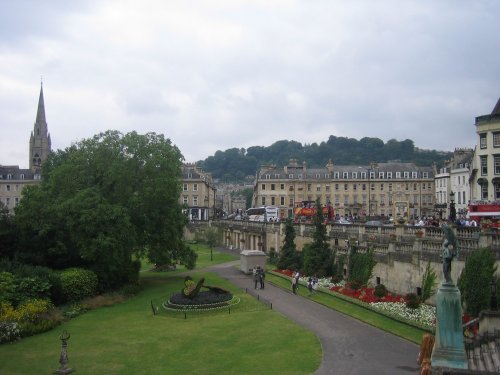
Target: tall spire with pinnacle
column 40, row 144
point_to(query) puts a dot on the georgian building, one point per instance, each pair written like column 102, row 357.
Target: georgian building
column 485, row 176
column 198, row 193
column 12, row 178
column 385, row 189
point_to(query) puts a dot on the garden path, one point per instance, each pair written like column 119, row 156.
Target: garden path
column 349, row 346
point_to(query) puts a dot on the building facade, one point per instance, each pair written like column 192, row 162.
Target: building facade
column 485, row 176
column 13, row 179
column 387, row 189
column 198, row 194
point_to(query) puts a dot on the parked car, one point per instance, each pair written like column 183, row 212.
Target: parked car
column 342, row 221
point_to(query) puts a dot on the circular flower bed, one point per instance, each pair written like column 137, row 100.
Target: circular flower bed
column 206, row 300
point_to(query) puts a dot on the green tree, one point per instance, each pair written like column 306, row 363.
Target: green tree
column 474, row 283
column 103, row 200
column 317, row 256
column 289, row 256
column 429, row 282
column 211, row 237
column 360, row 266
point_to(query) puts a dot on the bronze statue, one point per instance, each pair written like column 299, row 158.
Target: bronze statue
column 450, row 251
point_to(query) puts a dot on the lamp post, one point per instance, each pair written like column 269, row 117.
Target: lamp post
column 453, row 211
column 493, row 289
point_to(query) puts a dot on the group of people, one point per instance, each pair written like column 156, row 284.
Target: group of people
column 312, row 283
column 258, row 277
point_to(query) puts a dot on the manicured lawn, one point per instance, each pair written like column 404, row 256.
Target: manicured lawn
column 128, row 339
column 377, row 320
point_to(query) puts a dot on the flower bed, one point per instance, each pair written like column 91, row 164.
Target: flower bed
column 391, row 304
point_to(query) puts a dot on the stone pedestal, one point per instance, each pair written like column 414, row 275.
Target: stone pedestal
column 449, row 348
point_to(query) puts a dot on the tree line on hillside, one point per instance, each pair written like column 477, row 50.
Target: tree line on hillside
column 236, row 164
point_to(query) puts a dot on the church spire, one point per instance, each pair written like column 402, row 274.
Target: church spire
column 40, row 113
column 40, row 144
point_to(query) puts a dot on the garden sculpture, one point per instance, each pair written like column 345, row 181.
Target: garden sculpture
column 450, row 251
column 63, row 359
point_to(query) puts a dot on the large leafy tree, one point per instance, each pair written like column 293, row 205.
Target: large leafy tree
column 474, row 283
column 318, row 256
column 102, row 201
column 289, row 256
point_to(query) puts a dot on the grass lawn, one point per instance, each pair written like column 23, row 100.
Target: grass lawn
column 128, row 339
column 385, row 323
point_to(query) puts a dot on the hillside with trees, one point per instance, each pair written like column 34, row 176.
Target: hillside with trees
column 236, row 163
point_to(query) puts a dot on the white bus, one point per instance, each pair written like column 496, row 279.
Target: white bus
column 267, row 213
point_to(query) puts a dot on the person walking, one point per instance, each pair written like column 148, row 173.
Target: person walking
column 262, row 276
column 256, row 276
column 310, row 285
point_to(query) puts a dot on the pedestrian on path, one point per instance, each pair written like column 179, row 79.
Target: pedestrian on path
column 295, row 282
column 256, row 276
column 310, row 285
column 262, row 276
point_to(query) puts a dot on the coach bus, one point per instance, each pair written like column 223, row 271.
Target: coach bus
column 264, row 213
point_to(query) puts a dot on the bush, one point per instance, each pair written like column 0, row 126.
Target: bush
column 31, row 317
column 380, row 291
column 336, row 279
column 355, row 284
column 7, row 287
column 77, row 284
column 412, row 301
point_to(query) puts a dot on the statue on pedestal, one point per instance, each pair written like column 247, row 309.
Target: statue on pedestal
column 450, row 251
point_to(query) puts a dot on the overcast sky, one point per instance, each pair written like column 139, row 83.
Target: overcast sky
column 212, row 75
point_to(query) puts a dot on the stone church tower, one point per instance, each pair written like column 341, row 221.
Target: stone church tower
column 40, row 138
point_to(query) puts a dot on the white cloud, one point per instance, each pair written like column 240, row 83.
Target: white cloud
column 222, row 74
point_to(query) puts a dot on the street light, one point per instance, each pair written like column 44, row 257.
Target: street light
column 453, row 211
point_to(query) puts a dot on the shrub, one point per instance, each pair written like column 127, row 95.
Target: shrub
column 380, row 291
column 336, row 279
column 73, row 310
column 429, row 282
column 28, row 288
column 7, row 286
column 31, row 317
column 78, row 283
column 355, row 284
column 412, row 301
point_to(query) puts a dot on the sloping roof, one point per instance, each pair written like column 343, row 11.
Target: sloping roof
column 496, row 109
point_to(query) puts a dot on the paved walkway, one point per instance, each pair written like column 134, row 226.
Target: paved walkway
column 349, row 346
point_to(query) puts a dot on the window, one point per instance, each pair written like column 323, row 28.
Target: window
column 372, row 187
column 482, row 140
column 389, row 175
column 484, row 191
column 37, row 176
column 327, row 175
column 484, row 165
column 22, row 176
column 308, row 187
column 381, row 174
column 372, row 174
column 496, row 139
column 354, row 174
column 327, row 188
column 398, row 174
column 496, row 161
column 363, row 187
column 184, row 199
column 363, row 175
column 346, row 187
column 195, row 187
column 299, row 176
column 282, row 201
column 406, row 174
column 263, row 201
column 390, row 186
column 414, row 175
column 290, row 176
column 336, row 175
column 318, row 188
column 345, row 175
column 354, row 187
column 16, row 201
column 273, row 187
column 8, row 187
column 414, row 187
column 184, row 187
column 381, row 187
column 273, row 201
column 195, row 200
column 268, row 176
column 336, row 187
column 190, row 175
column 276, row 176
column 282, row 186
column 9, row 177
column 318, row 175
column 263, row 187
column 346, row 199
